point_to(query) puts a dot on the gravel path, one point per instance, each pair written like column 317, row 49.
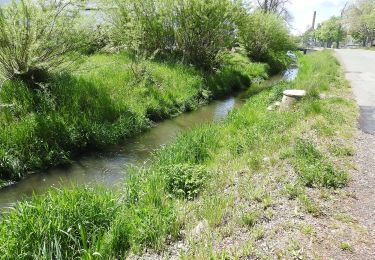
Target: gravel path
column 359, row 68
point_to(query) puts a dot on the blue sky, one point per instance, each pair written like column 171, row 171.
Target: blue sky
column 303, row 10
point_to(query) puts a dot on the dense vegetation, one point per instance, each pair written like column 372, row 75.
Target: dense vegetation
column 192, row 174
column 74, row 82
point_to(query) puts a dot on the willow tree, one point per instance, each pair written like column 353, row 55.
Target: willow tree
column 36, row 38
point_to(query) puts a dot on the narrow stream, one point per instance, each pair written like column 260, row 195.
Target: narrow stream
column 108, row 168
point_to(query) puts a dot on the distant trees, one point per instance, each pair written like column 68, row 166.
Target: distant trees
column 275, row 6
column 359, row 20
column 330, row 31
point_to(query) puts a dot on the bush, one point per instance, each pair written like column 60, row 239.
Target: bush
column 95, row 35
column 36, row 37
column 144, row 27
column 196, row 29
column 203, row 29
column 184, row 180
column 266, row 39
column 236, row 72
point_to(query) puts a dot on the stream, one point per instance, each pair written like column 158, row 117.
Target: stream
column 108, row 168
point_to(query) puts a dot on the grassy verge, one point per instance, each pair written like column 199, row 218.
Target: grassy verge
column 232, row 189
column 109, row 98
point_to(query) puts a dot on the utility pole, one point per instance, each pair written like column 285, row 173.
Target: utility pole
column 339, row 29
column 313, row 23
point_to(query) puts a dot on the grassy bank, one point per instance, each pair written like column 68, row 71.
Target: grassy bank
column 231, row 189
column 107, row 99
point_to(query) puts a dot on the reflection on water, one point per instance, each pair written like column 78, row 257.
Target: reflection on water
column 109, row 168
column 290, row 74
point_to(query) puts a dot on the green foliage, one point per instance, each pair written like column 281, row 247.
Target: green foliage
column 250, row 219
column 90, row 110
column 196, row 147
column 330, row 31
column 144, row 27
column 94, row 36
column 203, row 29
column 293, row 190
column 236, row 72
column 266, row 38
column 315, row 169
column 197, row 29
column 310, row 206
column 345, row 246
column 36, row 37
column 185, row 180
column 144, row 214
column 147, row 218
column 58, row 225
column 359, row 19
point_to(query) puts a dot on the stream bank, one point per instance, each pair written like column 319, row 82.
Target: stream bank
column 109, row 168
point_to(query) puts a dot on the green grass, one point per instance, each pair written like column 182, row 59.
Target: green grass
column 107, row 99
column 202, row 176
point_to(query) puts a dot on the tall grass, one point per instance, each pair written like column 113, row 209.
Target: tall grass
column 109, row 98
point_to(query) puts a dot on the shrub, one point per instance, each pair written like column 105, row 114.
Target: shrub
column 144, row 27
column 184, row 180
column 266, row 38
column 203, row 29
column 36, row 37
column 95, row 35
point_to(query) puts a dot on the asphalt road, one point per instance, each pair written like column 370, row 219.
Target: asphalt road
column 359, row 66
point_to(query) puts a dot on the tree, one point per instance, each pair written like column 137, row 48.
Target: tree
column 204, row 28
column 144, row 26
column 37, row 37
column 265, row 37
column 330, row 31
column 275, row 6
column 360, row 21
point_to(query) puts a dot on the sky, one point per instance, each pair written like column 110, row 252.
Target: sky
column 303, row 10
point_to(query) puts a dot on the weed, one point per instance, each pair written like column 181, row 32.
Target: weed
column 267, row 202
column 338, row 150
column 293, row 190
column 315, row 169
column 345, row 246
column 184, row 180
column 308, row 230
column 310, row 206
column 250, row 219
column 258, row 233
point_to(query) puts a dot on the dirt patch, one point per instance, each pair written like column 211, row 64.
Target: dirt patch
column 362, row 188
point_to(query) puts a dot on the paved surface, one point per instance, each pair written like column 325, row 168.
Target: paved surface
column 359, row 66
